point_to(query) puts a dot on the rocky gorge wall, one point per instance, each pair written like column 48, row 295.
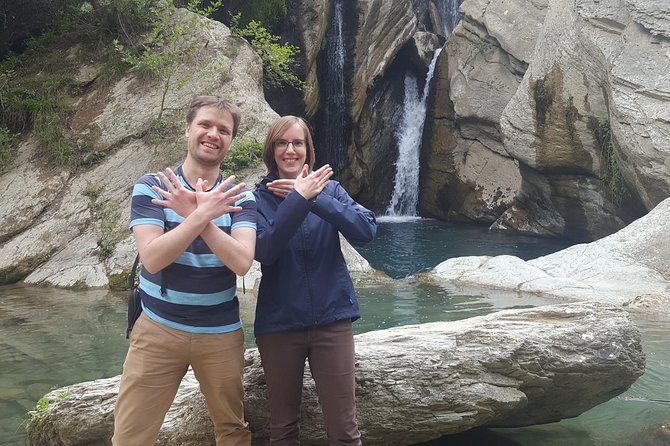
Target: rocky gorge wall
column 548, row 117
column 551, row 117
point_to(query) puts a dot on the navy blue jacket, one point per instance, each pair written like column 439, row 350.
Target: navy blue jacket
column 305, row 280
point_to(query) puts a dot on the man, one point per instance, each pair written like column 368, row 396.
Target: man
column 194, row 232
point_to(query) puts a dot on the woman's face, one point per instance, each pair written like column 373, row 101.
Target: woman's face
column 290, row 152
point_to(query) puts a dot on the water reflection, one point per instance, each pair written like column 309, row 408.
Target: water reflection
column 391, row 303
column 53, row 338
column 406, row 245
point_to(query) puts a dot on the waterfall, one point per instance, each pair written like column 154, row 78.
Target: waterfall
column 334, row 121
column 449, row 15
column 409, row 134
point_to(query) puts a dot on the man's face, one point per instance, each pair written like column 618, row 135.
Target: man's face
column 209, row 136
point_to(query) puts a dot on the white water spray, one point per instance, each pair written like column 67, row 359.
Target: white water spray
column 406, row 190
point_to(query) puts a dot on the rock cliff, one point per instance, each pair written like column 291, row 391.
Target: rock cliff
column 551, row 117
column 67, row 229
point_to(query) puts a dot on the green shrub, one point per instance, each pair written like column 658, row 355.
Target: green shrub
column 105, row 20
column 269, row 12
column 7, row 149
column 243, row 153
column 42, row 102
column 164, row 48
column 277, row 59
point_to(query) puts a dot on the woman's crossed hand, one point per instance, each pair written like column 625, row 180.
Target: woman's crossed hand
column 307, row 184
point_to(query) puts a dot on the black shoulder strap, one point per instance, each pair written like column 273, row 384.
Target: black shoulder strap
column 133, row 273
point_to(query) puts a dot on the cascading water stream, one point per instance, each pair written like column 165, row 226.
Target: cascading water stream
column 449, row 15
column 410, row 131
column 334, row 125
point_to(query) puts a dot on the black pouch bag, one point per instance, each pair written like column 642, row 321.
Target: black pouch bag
column 134, row 301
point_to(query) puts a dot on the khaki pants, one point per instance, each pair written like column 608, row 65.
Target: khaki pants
column 157, row 360
column 330, row 351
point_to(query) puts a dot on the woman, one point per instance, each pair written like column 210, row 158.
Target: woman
column 306, row 301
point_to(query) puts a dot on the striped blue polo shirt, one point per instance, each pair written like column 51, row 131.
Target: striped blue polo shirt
column 200, row 291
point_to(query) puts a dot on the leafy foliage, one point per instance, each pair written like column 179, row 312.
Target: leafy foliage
column 277, row 58
column 168, row 43
column 244, row 153
column 104, row 19
column 41, row 102
column 269, row 12
column 7, row 150
column 37, row 93
column 107, row 214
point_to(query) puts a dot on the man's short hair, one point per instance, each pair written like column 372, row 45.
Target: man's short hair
column 218, row 102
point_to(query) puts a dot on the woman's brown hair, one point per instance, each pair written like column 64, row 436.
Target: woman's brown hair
column 276, row 130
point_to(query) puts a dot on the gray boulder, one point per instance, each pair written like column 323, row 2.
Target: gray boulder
column 414, row 383
column 629, row 267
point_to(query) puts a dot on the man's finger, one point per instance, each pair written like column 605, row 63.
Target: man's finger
column 173, row 178
column 160, row 191
column 166, row 181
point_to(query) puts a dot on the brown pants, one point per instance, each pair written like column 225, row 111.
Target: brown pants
column 157, row 360
column 330, row 351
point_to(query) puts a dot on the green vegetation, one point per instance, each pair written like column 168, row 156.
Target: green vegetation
column 269, row 12
column 107, row 215
column 38, row 90
column 38, row 97
column 611, row 175
column 244, row 153
column 119, row 282
column 168, row 44
column 92, row 192
column 42, row 406
column 278, row 59
column 102, row 21
column 78, row 286
column 7, row 149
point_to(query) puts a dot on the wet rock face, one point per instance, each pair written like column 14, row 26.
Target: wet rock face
column 574, row 99
column 414, row 383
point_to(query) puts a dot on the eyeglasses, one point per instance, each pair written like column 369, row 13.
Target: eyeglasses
column 298, row 144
